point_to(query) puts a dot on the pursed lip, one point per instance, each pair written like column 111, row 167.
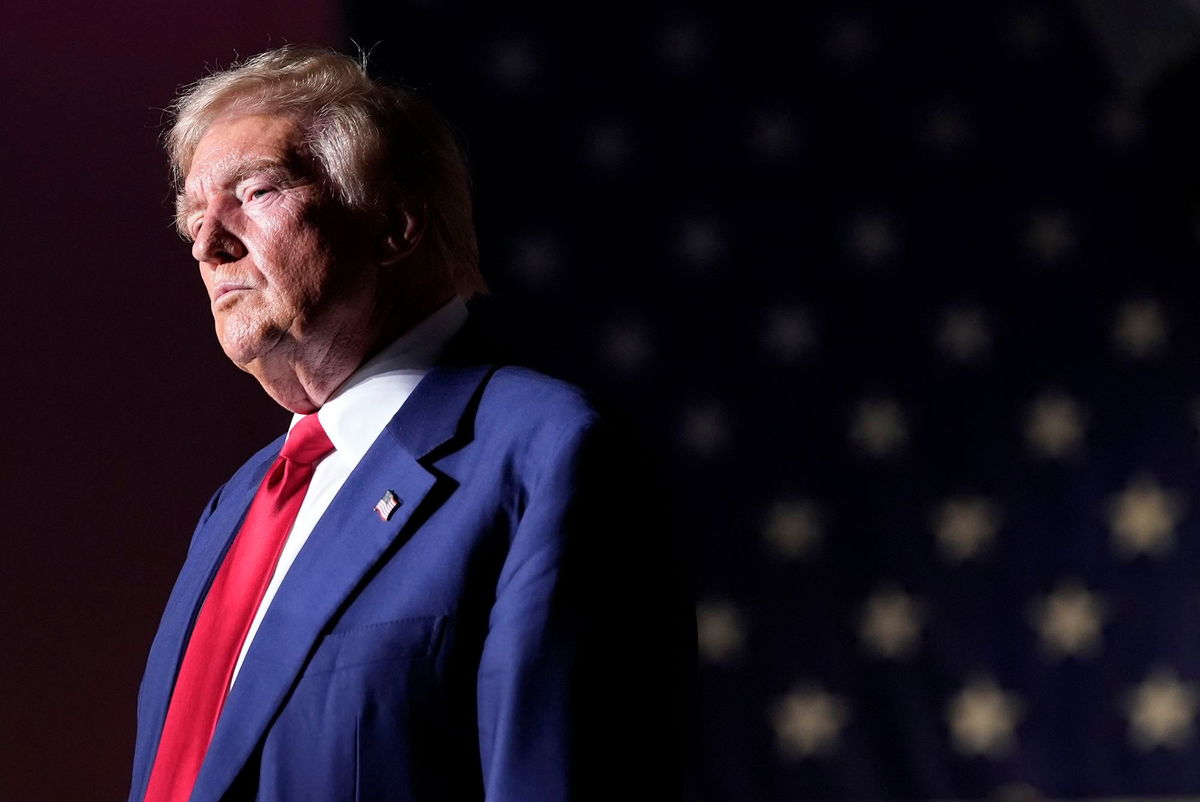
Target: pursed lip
column 225, row 287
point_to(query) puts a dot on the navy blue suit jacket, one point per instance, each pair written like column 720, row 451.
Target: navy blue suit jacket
column 518, row 630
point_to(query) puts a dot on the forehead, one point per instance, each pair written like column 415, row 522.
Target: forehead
column 232, row 147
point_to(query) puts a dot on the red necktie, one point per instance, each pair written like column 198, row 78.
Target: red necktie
column 224, row 620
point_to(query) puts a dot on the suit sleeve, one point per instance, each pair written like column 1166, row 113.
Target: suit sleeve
column 585, row 680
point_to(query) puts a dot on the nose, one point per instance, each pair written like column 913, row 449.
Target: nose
column 215, row 244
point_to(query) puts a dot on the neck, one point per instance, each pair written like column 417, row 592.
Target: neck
column 302, row 377
column 304, row 380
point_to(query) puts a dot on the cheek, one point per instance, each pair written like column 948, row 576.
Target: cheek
column 296, row 260
column 272, row 251
column 302, row 262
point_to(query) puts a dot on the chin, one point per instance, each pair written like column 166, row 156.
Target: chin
column 255, row 361
column 241, row 353
column 246, row 345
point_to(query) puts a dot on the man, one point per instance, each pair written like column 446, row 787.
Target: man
column 448, row 580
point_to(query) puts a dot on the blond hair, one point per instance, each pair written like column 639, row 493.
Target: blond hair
column 377, row 145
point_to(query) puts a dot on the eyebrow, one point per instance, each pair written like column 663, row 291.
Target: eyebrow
column 275, row 171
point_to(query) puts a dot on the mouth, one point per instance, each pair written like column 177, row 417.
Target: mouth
column 227, row 288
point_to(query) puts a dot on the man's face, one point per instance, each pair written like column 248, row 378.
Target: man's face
column 282, row 264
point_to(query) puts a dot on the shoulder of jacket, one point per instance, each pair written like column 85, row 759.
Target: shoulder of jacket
column 533, row 413
column 536, row 395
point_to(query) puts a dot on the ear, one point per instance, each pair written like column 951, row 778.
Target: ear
column 403, row 233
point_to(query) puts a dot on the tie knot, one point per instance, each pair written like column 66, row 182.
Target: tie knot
column 306, row 442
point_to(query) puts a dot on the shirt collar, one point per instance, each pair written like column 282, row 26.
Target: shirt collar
column 362, row 406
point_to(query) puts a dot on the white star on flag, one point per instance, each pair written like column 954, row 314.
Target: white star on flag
column 793, row 528
column 872, row 237
column 964, row 335
column 965, row 526
column 946, row 129
column 879, row 427
column 1054, row 426
column 719, row 630
column 1140, row 329
column 982, row 718
column 1069, row 620
column 1161, row 711
column 773, row 137
column 808, row 721
column 788, row 333
column 1050, row 235
column 890, row 623
column 1143, row 518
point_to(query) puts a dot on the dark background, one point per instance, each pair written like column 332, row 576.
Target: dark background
column 854, row 268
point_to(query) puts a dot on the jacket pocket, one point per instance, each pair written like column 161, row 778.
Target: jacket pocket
column 411, row 638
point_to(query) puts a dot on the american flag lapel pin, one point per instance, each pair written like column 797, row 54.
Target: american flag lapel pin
column 387, row 505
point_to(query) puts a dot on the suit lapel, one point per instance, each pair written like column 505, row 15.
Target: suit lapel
column 346, row 543
column 208, row 548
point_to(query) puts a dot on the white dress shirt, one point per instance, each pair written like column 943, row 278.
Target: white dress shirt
column 353, row 417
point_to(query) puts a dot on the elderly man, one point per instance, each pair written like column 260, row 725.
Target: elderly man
column 447, row 580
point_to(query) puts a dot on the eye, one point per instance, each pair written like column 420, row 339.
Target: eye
column 258, row 194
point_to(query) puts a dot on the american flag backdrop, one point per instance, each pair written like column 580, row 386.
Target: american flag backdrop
column 892, row 289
